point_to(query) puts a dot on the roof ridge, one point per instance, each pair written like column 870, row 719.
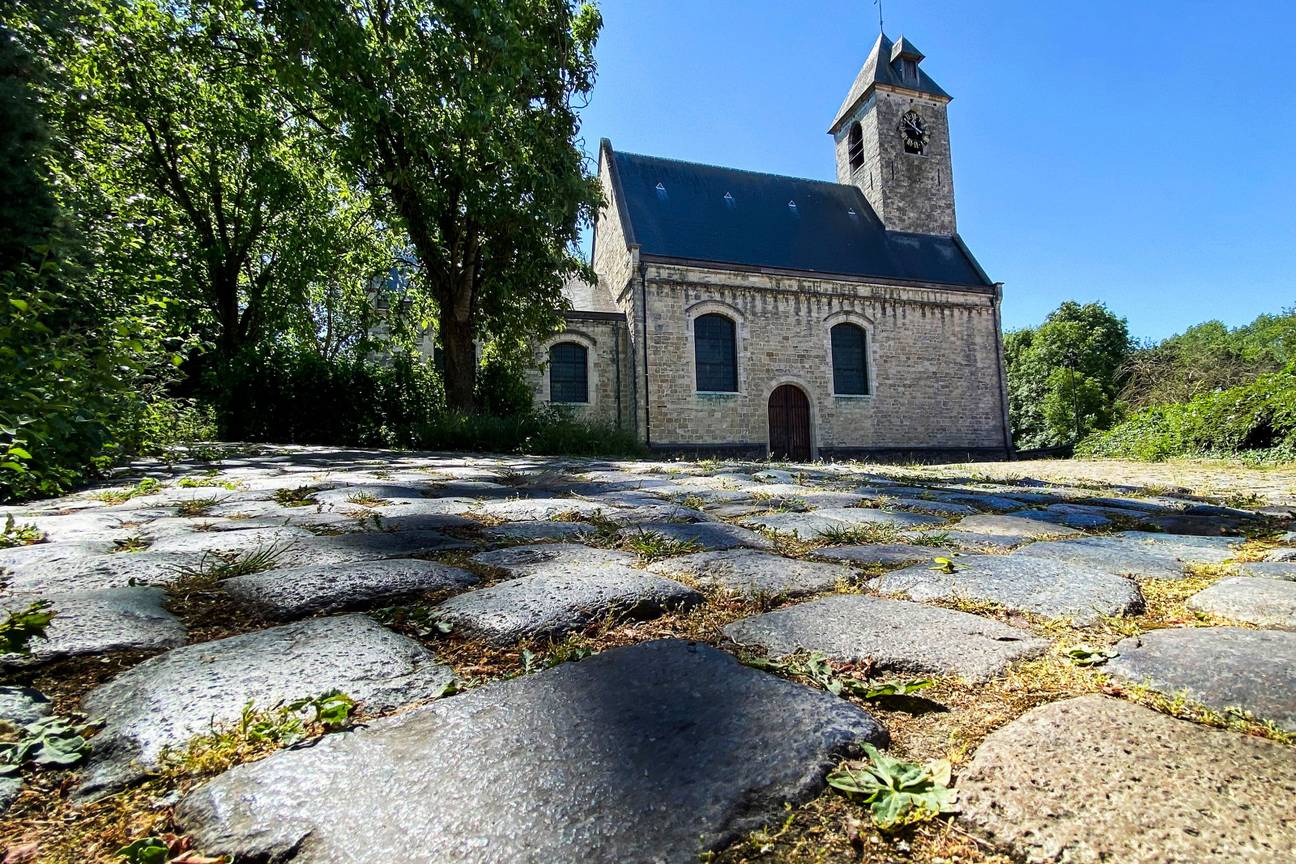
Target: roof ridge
column 731, row 168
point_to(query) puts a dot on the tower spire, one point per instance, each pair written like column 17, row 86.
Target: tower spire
column 878, row 3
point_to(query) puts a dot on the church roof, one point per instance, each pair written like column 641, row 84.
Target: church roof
column 683, row 210
column 878, row 69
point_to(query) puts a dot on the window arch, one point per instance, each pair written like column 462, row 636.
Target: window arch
column 715, row 353
column 568, row 372
column 855, row 147
column 849, row 360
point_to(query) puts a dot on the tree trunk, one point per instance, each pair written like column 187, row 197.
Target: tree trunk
column 460, row 363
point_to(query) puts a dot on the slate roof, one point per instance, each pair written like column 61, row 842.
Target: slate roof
column 684, row 210
column 878, row 69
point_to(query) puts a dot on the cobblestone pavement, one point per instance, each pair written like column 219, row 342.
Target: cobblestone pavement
column 595, row 660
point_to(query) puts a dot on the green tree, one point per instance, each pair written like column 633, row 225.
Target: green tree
column 1209, row 357
column 1064, row 376
column 76, row 352
column 183, row 115
column 463, row 114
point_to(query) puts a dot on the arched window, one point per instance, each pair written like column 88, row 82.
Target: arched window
column 849, row 360
column 855, row 147
column 715, row 353
column 568, row 375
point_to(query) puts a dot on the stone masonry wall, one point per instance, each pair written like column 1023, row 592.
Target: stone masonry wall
column 607, row 345
column 933, row 358
column 909, row 192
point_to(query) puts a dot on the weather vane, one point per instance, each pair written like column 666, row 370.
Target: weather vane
column 878, row 3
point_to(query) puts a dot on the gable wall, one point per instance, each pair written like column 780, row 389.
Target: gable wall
column 934, row 362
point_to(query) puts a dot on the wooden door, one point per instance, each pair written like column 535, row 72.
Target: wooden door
column 789, row 424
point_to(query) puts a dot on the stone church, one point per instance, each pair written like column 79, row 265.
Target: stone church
column 742, row 313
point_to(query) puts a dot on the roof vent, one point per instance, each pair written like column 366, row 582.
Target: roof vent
column 792, row 204
column 660, row 187
column 729, row 199
column 661, row 191
column 851, row 212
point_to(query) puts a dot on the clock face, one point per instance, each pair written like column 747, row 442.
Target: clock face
column 913, row 132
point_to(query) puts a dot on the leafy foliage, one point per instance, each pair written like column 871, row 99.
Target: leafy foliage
column 1209, row 358
column 468, row 130
column 653, row 545
column 215, row 566
column 20, row 627
column 1063, row 376
column 1087, row 655
column 51, row 742
column 14, row 534
column 898, row 793
column 82, row 351
column 1257, row 419
column 819, row 670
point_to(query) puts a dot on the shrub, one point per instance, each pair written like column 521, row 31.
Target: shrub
column 1255, row 420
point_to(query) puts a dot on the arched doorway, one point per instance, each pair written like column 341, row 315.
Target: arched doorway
column 789, row 424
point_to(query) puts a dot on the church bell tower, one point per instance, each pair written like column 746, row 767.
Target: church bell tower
column 892, row 140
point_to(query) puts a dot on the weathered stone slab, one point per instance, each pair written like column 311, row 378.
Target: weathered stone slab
column 818, row 522
column 1285, row 570
column 986, row 500
column 39, row 555
column 873, row 516
column 1266, row 602
column 650, row 753
column 711, row 536
column 750, row 573
column 527, row 509
column 22, row 705
column 563, row 558
column 1221, row 667
column 369, row 545
column 549, row 604
column 230, row 542
column 1096, row 779
column 940, row 508
column 1070, row 518
column 974, row 540
column 298, row 591
column 883, row 553
column 804, row 525
column 1021, row 525
column 1282, row 553
column 894, row 635
column 350, row 494
column 1054, row 589
column 95, row 622
column 116, row 570
column 169, row 699
column 533, row 530
column 1188, row 548
column 658, row 512
column 1118, row 555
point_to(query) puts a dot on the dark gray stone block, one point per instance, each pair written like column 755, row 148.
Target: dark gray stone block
column 549, row 604
column 892, row 634
column 1221, row 667
column 167, row 700
column 711, row 536
column 1054, row 589
column 96, row 622
column 1265, row 602
column 299, row 591
column 750, row 573
column 650, row 753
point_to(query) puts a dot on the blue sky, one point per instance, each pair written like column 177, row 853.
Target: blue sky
column 1142, row 154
